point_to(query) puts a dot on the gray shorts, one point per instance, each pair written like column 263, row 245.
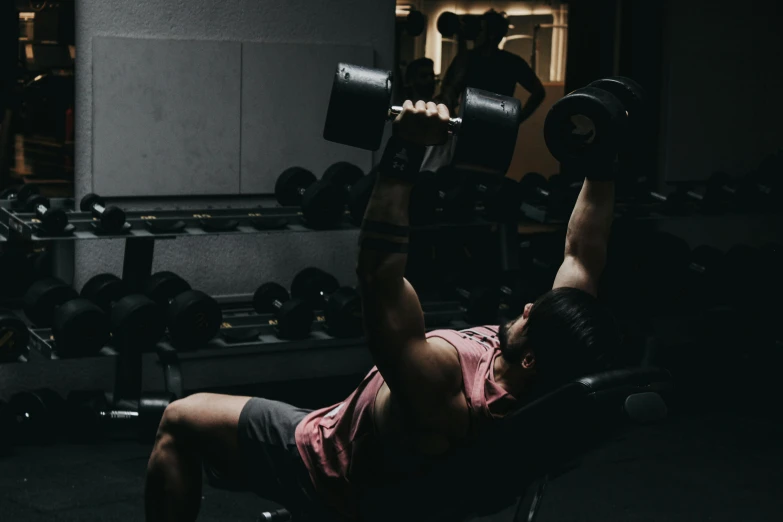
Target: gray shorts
column 272, row 466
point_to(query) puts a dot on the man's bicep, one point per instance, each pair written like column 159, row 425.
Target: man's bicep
column 393, row 324
column 574, row 274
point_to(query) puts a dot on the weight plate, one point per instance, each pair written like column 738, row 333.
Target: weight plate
column 164, row 286
column 80, row 329
column 194, row 319
column 90, row 200
column 358, row 106
column 311, row 285
column 586, row 128
column 265, row 296
column 323, row 205
column 290, row 183
column 103, row 290
column 342, row 174
column 43, row 297
column 13, row 337
column 343, row 313
column 488, row 133
column 294, row 319
column 630, row 94
column 137, row 322
column 359, row 197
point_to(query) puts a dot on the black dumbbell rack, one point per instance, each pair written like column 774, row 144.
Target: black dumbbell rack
column 144, row 227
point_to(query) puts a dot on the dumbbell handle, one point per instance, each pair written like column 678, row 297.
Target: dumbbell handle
column 454, row 123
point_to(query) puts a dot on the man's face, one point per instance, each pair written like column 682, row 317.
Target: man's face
column 424, row 82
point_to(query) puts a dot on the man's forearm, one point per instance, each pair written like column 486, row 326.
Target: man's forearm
column 590, row 224
column 386, row 226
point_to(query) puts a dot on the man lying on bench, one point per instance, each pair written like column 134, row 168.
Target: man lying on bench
column 429, row 395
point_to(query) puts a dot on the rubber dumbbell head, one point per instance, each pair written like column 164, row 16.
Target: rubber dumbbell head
column 294, row 316
column 343, row 313
column 20, row 193
column 586, row 128
column 313, row 285
column 104, row 290
column 112, row 218
column 42, row 299
column 13, row 336
column 137, row 321
column 80, row 328
column 53, row 220
column 37, row 416
column 194, row 318
column 291, row 185
column 448, row 24
column 415, row 23
column 164, row 286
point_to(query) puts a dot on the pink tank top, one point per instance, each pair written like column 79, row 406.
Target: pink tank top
column 341, row 449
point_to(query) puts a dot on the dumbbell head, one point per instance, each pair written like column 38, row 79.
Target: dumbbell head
column 43, row 297
column 415, row 23
column 151, row 409
column 20, row 192
column 112, row 218
column 52, row 219
column 448, row 24
column 630, row 94
column 586, row 128
column 164, row 286
column 359, row 196
column 80, row 328
column 342, row 174
column 343, row 313
column 323, row 205
column 531, row 186
column 13, row 336
column 137, row 321
column 104, row 289
column 194, row 318
column 313, row 285
column 358, row 106
column 265, row 296
column 37, row 416
column 488, row 132
column 290, row 183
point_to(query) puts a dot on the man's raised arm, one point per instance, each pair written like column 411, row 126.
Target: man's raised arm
column 587, row 237
column 393, row 319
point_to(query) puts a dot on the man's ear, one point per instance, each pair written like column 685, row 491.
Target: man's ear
column 529, row 360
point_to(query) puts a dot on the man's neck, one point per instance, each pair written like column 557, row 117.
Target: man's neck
column 509, row 376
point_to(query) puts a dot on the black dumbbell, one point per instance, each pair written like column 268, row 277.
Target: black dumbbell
column 341, row 306
column 587, row 129
column 360, row 106
column 20, row 193
column 53, row 220
column 13, row 336
column 37, row 416
column 137, row 322
column 111, row 218
column 193, row 317
column 79, row 327
column 344, row 175
column 92, row 416
column 299, row 186
column 294, row 317
column 415, row 23
column 448, row 24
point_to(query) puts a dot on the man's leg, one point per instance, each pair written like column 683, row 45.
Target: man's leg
column 198, row 429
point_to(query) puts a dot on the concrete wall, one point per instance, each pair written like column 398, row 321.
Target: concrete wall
column 720, row 95
column 224, row 265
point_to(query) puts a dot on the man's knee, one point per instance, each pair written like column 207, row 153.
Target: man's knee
column 182, row 417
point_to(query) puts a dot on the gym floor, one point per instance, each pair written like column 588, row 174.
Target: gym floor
column 716, row 466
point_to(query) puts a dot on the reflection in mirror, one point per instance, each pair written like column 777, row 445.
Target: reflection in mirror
column 37, row 93
column 510, row 48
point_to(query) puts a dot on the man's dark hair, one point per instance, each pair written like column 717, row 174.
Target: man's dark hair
column 497, row 25
column 413, row 68
column 570, row 334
